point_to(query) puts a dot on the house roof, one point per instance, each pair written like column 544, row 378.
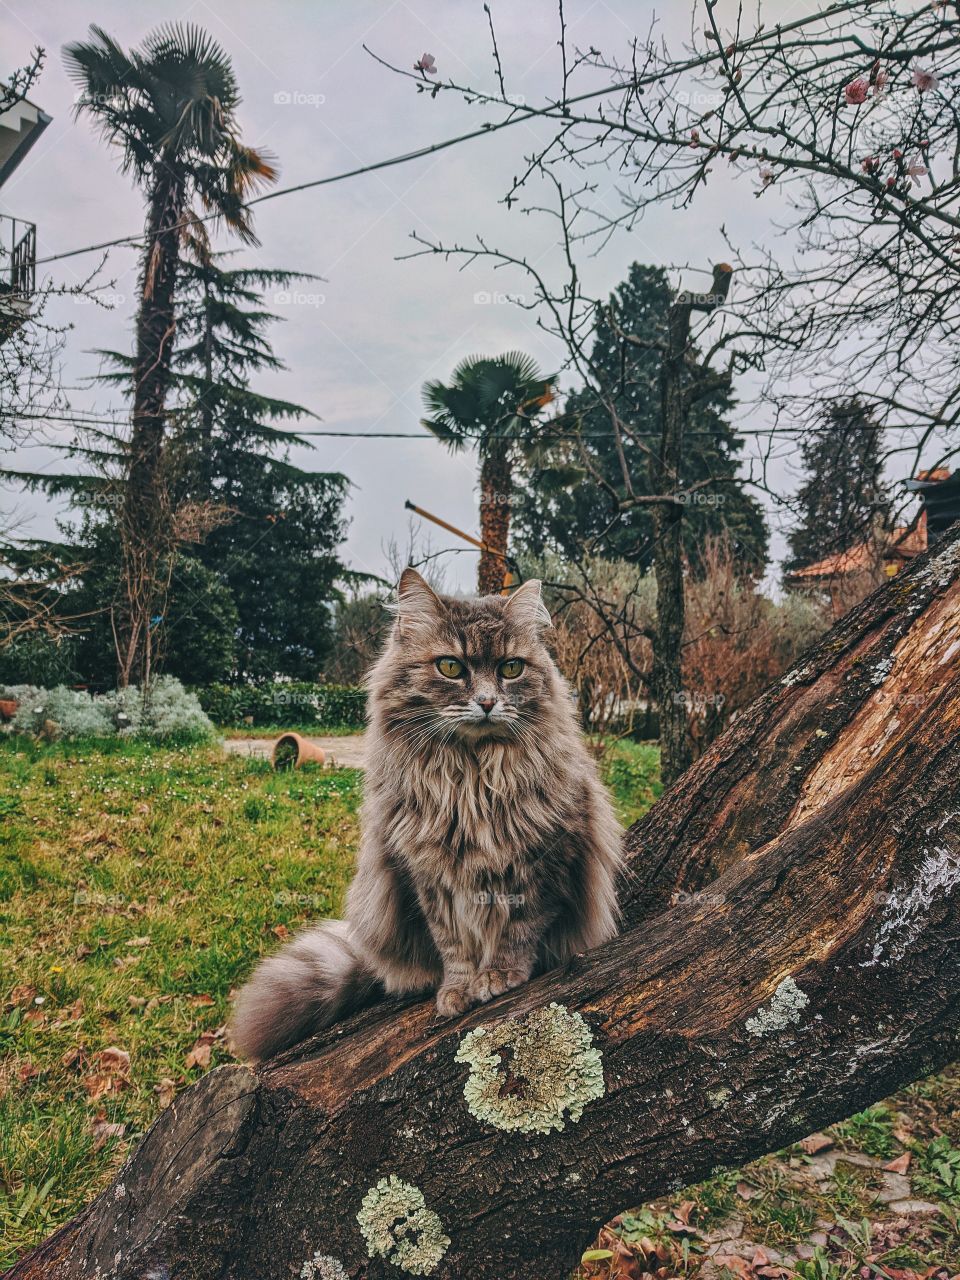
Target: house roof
column 903, row 543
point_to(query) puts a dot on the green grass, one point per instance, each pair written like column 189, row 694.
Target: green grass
column 632, row 772
column 137, row 885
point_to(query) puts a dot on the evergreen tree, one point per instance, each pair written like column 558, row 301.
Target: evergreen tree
column 250, row 592
column 842, row 501
column 571, row 516
column 274, row 542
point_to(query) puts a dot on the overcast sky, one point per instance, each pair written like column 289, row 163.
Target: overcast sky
column 359, row 345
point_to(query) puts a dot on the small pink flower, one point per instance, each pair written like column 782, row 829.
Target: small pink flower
column 925, row 80
column 427, row 64
column 694, row 137
column 869, row 164
column 767, row 175
column 917, row 170
column 856, row 91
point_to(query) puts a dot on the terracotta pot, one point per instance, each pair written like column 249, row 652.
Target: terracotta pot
column 290, row 751
column 8, row 708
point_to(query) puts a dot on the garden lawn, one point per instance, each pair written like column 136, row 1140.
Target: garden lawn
column 137, row 884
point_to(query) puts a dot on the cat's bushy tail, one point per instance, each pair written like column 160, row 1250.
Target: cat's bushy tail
column 318, row 979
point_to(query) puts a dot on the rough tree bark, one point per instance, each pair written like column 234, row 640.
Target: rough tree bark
column 818, row 972
column 666, row 477
column 496, row 486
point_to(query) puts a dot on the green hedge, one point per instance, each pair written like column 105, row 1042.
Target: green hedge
column 279, row 704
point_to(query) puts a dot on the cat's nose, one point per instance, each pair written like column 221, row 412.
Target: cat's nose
column 486, row 703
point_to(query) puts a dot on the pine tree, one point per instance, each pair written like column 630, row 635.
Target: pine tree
column 842, row 501
column 567, row 517
column 274, row 545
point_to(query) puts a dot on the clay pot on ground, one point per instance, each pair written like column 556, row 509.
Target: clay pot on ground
column 290, row 751
column 8, row 708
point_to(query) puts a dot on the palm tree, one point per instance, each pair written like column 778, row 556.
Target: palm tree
column 491, row 402
column 171, row 107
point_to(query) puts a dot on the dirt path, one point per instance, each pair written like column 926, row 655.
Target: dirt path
column 345, row 751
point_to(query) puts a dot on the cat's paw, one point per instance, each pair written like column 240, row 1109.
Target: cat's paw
column 490, row 983
column 452, row 1001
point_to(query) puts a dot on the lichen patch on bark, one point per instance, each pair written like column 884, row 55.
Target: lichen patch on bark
column 785, row 1008
column 531, row 1074
column 323, row 1267
column 397, row 1225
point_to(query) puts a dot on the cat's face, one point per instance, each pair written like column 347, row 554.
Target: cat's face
column 467, row 669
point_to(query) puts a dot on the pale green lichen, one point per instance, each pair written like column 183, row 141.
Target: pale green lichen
column 323, row 1267
column 398, row 1226
column 786, row 1005
column 527, row 1072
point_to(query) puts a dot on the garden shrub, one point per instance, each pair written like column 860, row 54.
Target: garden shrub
column 282, row 703
column 163, row 709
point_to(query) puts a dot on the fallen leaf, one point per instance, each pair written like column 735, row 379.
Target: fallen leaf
column 138, row 942
column 816, row 1142
column 760, row 1258
column 165, row 1091
column 198, row 1001
column 684, row 1210
column 900, row 1165
column 199, row 1055
column 280, row 931
column 103, row 1131
column 746, row 1192
column 112, row 1074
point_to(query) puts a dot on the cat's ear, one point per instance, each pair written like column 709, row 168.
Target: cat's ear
column 417, row 602
column 526, row 605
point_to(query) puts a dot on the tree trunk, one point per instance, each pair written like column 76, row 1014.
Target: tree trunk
column 666, row 676
column 496, row 486
column 819, row 971
column 144, row 527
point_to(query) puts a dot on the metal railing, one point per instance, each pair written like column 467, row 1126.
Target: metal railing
column 18, row 256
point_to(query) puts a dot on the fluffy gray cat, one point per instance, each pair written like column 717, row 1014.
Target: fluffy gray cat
column 489, row 849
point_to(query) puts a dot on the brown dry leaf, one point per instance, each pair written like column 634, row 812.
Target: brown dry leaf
column 760, row 1258
column 200, row 1001
column 165, row 1091
column 733, row 1262
column 684, row 1210
column 280, row 931
column 115, row 1062
column 900, row 1165
column 26, row 1071
column 816, row 1142
column 199, row 1055
column 83, row 951
column 22, row 994
column 746, row 1192
column 103, row 1131
column 138, row 942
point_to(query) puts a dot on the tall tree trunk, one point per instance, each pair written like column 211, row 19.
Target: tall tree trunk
column 145, row 515
column 666, row 676
column 496, row 488
column 820, row 971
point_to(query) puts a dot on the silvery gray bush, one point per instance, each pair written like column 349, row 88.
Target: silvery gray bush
column 160, row 709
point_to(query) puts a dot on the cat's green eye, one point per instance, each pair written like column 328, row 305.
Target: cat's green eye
column 511, row 668
column 452, row 668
